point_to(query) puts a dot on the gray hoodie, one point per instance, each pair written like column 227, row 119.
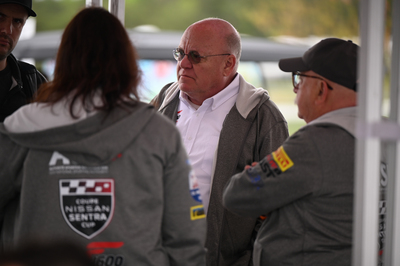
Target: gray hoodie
column 120, row 184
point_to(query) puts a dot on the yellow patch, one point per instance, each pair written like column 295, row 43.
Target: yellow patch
column 197, row 212
column 282, row 159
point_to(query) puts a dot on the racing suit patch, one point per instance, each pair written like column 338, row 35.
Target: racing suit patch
column 282, row 159
column 197, row 212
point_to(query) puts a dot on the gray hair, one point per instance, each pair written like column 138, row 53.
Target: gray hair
column 235, row 45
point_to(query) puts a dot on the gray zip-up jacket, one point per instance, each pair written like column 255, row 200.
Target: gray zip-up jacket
column 253, row 128
column 306, row 190
column 118, row 184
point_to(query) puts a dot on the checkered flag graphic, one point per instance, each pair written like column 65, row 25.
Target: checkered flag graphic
column 73, row 187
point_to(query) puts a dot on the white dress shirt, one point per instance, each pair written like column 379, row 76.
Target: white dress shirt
column 200, row 127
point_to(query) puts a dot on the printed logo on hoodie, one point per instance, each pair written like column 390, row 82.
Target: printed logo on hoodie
column 87, row 204
column 61, row 165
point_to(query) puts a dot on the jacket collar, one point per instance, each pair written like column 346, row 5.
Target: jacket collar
column 344, row 117
column 15, row 71
column 248, row 98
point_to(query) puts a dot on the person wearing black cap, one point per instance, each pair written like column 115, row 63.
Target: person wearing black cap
column 305, row 187
column 19, row 81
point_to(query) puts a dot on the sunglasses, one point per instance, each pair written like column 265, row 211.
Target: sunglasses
column 296, row 79
column 193, row 56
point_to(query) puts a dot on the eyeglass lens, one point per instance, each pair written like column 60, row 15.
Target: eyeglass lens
column 295, row 79
column 297, row 76
column 193, row 56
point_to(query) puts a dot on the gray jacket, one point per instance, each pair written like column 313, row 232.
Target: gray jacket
column 253, row 128
column 306, row 190
column 114, row 184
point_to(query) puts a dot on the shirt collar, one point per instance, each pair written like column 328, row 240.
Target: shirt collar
column 218, row 99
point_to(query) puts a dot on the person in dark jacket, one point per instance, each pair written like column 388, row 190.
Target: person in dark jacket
column 306, row 187
column 19, row 81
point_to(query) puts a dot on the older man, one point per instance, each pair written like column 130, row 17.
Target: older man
column 225, row 124
column 306, row 186
column 18, row 80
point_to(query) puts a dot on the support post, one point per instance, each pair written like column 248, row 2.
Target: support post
column 117, row 7
column 392, row 242
column 94, row 3
column 370, row 69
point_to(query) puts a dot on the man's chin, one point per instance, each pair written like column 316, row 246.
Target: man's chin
column 185, row 87
column 4, row 55
column 299, row 116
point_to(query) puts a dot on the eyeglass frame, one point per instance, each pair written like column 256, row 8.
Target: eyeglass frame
column 190, row 55
column 308, row 76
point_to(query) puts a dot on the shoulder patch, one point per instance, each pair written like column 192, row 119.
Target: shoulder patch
column 282, row 159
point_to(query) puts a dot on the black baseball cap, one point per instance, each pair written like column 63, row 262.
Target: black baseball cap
column 26, row 3
column 334, row 59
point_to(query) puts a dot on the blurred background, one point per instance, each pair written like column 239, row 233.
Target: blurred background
column 264, row 24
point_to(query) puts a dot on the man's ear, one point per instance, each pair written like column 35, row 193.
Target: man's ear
column 230, row 63
column 323, row 93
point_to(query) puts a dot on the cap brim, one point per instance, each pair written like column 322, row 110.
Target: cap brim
column 31, row 13
column 293, row 64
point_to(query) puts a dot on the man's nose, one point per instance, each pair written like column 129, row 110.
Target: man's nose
column 295, row 89
column 6, row 27
column 185, row 62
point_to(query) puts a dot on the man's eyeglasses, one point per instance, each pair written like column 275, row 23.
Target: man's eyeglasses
column 296, row 79
column 193, row 56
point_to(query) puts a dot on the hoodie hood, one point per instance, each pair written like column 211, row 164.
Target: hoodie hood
column 92, row 141
column 248, row 97
column 345, row 118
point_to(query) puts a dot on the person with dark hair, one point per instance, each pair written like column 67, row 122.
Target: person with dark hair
column 19, row 81
column 225, row 123
column 306, row 187
column 86, row 161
